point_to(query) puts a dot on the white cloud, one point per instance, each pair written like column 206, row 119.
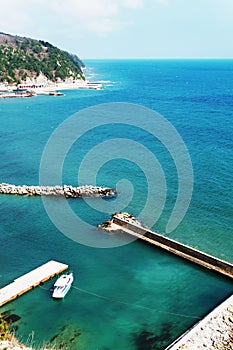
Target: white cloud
column 13, row 16
column 103, row 26
column 101, row 17
column 162, row 2
column 133, row 4
column 84, row 9
column 38, row 17
column 89, row 9
column 98, row 16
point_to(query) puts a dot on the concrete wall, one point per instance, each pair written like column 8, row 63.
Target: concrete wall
column 179, row 248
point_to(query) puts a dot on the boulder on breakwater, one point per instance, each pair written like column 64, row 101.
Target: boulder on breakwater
column 110, row 224
column 65, row 191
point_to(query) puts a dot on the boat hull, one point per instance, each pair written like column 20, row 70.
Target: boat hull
column 62, row 286
column 61, row 295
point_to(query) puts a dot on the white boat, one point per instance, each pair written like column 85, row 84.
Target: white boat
column 62, row 285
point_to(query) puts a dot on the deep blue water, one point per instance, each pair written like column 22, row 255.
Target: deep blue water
column 141, row 298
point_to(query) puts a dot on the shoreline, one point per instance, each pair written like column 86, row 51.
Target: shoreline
column 47, row 88
column 214, row 331
column 7, row 338
column 13, row 344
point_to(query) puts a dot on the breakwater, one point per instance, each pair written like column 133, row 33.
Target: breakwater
column 215, row 331
column 128, row 224
column 65, row 191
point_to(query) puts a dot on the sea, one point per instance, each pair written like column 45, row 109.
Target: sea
column 126, row 295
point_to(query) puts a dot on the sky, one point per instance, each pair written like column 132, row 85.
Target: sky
column 125, row 28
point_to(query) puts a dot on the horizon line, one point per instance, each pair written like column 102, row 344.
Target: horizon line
column 158, row 58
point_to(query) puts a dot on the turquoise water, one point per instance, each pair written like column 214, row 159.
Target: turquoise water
column 139, row 297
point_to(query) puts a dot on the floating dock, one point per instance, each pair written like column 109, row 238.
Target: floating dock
column 127, row 225
column 30, row 280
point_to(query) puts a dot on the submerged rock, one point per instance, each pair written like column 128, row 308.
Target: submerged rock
column 67, row 338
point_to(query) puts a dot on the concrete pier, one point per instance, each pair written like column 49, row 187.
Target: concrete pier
column 128, row 224
column 215, row 331
column 65, row 190
column 30, row 280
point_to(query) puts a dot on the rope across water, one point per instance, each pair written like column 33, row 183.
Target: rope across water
column 130, row 304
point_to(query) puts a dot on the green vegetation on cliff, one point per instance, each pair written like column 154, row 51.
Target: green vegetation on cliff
column 22, row 58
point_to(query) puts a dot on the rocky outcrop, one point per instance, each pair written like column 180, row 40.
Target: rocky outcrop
column 7, row 339
column 65, row 191
column 215, row 331
column 110, row 225
column 13, row 345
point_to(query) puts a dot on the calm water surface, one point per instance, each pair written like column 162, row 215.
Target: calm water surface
column 134, row 297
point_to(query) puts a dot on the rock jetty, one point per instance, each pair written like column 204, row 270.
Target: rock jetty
column 65, row 191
